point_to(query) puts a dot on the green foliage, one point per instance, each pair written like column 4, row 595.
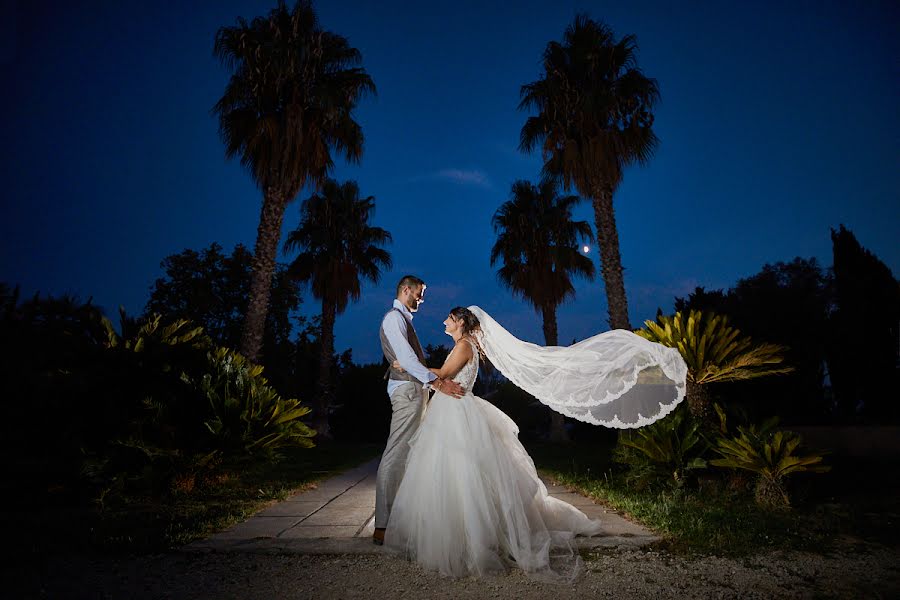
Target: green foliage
column 713, row 350
column 139, row 380
column 211, row 289
column 784, row 303
column 247, row 414
column 182, row 405
column 771, row 455
column 694, row 522
column 663, row 451
column 133, row 410
column 151, row 332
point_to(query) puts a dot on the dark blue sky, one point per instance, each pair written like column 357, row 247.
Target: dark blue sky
column 777, row 122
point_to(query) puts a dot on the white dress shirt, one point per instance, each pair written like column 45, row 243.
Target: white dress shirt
column 394, row 326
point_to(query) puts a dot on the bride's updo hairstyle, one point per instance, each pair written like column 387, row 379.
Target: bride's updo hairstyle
column 469, row 321
column 471, row 326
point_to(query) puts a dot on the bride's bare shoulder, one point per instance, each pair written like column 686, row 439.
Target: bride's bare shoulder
column 463, row 347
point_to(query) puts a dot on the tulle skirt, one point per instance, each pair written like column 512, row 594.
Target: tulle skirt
column 471, row 502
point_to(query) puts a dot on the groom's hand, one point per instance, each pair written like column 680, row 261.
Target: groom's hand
column 449, row 387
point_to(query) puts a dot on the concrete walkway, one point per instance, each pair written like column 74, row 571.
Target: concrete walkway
column 337, row 517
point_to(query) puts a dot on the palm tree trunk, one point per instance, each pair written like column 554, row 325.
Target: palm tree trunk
column 267, row 237
column 610, row 258
column 558, row 431
column 699, row 403
column 326, row 388
column 551, row 335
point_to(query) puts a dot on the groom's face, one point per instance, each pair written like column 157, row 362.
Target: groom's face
column 413, row 297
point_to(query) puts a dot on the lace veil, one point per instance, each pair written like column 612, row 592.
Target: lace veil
column 615, row 379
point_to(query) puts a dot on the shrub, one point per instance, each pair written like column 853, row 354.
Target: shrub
column 248, row 415
column 663, row 451
column 177, row 406
column 770, row 455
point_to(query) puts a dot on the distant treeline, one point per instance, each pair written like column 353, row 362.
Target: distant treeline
column 841, row 326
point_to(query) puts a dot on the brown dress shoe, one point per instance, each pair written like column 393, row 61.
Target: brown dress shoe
column 378, row 536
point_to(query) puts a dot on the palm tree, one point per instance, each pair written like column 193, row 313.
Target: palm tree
column 287, row 106
column 537, row 243
column 337, row 248
column 594, row 119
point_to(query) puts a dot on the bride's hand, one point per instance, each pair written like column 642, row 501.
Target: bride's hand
column 396, row 365
column 451, row 388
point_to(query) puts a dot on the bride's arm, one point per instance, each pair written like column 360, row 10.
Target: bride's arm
column 457, row 359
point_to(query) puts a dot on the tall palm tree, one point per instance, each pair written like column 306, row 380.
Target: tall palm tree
column 594, row 119
column 337, row 248
column 537, row 242
column 286, row 108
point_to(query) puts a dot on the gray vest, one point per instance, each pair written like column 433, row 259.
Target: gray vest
column 389, row 354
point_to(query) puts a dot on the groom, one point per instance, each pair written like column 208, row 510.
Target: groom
column 406, row 388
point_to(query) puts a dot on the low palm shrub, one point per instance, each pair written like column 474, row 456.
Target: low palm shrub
column 664, row 451
column 248, row 415
column 771, row 455
column 179, row 406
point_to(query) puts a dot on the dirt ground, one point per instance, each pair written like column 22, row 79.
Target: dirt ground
column 857, row 571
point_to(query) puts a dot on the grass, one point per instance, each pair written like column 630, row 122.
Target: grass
column 856, row 503
column 141, row 524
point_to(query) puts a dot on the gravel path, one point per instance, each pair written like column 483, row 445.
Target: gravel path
column 857, row 572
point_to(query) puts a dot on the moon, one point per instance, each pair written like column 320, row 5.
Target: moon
column 586, row 249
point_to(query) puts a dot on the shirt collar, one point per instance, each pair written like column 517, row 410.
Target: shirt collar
column 399, row 305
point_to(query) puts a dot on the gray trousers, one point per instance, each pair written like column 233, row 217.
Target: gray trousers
column 407, row 404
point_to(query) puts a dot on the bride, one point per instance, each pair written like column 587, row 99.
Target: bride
column 471, row 502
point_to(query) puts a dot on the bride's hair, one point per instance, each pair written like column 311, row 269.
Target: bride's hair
column 471, row 326
column 470, row 322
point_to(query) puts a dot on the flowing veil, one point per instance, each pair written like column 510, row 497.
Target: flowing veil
column 616, row 379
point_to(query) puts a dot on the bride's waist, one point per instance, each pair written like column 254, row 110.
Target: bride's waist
column 438, row 393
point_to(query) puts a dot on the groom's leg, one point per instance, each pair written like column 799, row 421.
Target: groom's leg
column 406, row 402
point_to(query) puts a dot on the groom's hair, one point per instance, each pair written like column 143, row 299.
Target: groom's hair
column 409, row 280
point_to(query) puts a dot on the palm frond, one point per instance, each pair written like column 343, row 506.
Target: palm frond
column 337, row 246
column 594, row 108
column 290, row 98
column 537, row 242
column 713, row 350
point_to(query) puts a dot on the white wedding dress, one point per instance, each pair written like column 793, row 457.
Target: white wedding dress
column 471, row 502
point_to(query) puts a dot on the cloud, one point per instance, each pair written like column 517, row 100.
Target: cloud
column 462, row 177
column 470, row 177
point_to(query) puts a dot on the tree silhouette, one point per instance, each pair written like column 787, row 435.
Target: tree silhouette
column 865, row 327
column 288, row 105
column 537, row 244
column 338, row 249
column 785, row 304
column 211, row 289
column 594, row 119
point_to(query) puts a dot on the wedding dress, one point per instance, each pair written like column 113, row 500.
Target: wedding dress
column 471, row 502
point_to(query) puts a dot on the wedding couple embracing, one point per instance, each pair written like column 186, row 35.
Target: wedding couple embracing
column 455, row 489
